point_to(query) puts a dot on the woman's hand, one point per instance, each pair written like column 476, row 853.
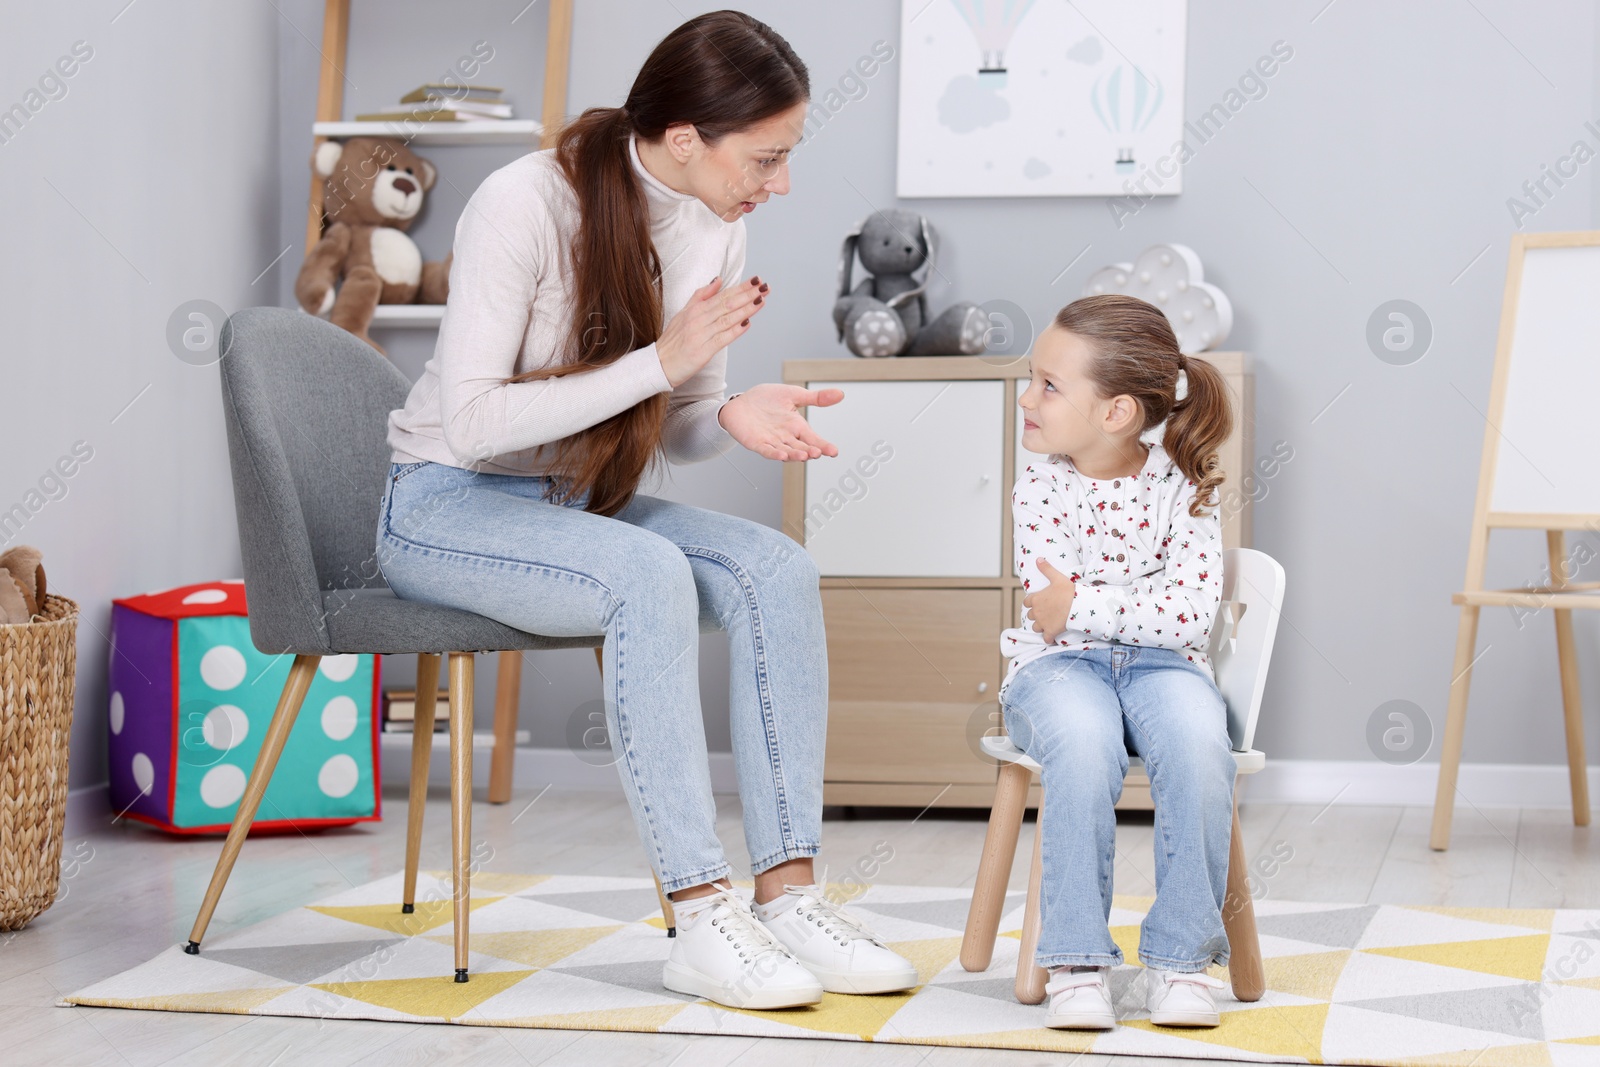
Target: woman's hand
column 1051, row 605
column 766, row 419
column 708, row 322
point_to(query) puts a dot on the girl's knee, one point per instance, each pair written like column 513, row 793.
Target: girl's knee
column 1204, row 771
column 1076, row 751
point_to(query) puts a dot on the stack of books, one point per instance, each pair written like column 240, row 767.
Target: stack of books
column 400, row 711
column 440, row 102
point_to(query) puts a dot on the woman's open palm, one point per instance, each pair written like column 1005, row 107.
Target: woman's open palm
column 766, row 419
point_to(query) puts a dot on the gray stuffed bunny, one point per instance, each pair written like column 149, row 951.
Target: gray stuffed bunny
column 887, row 314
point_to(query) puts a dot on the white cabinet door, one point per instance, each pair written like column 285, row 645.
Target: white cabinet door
column 915, row 489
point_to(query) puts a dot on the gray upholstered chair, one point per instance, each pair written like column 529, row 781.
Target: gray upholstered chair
column 307, row 406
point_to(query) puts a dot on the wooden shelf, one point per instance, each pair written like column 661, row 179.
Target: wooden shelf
column 422, row 316
column 494, row 132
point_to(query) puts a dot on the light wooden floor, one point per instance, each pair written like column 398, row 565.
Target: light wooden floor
column 135, row 892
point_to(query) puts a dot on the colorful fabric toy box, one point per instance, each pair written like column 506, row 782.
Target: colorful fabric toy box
column 191, row 700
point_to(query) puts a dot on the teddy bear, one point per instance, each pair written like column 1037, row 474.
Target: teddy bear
column 22, row 586
column 887, row 314
column 374, row 188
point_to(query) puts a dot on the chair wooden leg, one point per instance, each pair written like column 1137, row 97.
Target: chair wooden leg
column 1444, row 799
column 421, row 754
column 1239, row 920
column 461, row 798
column 1571, row 698
column 1031, row 978
column 994, row 869
column 667, row 914
column 301, row 673
column 507, row 697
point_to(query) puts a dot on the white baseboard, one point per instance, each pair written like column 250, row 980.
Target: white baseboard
column 1486, row 785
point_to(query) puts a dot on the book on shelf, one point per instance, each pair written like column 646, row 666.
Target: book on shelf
column 439, row 102
column 459, row 107
column 400, row 705
column 450, row 91
column 440, row 726
column 478, row 739
column 469, row 108
column 428, row 115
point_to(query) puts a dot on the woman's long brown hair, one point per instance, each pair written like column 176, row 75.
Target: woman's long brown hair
column 723, row 72
column 1135, row 352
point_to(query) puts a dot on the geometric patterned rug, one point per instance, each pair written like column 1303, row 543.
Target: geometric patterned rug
column 1347, row 983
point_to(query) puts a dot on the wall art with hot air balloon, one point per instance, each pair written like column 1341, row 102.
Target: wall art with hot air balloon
column 1041, row 97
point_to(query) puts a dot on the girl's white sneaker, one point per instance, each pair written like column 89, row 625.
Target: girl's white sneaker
column 723, row 953
column 834, row 945
column 1079, row 1000
column 1179, row 998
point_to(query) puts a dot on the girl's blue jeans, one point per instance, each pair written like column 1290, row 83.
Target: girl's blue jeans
column 1078, row 713
column 649, row 579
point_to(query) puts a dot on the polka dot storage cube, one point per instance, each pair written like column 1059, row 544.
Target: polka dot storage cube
column 191, row 699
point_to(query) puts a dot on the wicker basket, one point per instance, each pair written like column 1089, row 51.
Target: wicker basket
column 38, row 667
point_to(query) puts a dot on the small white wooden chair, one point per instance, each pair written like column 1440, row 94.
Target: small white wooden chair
column 1241, row 646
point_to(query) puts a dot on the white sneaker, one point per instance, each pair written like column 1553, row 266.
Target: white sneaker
column 833, row 944
column 722, row 953
column 1178, row 998
column 1079, row 1001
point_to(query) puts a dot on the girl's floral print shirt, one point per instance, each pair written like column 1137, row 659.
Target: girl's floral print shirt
column 1146, row 571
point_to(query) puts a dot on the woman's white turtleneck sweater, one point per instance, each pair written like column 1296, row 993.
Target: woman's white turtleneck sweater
column 510, row 310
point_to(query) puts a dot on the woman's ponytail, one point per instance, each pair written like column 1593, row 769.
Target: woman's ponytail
column 722, row 71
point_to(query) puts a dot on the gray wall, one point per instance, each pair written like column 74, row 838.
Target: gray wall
column 1376, row 166
column 151, row 182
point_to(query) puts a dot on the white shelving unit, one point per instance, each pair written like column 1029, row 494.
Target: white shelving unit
column 525, row 134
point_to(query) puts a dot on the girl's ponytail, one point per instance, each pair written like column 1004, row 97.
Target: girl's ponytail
column 1197, row 427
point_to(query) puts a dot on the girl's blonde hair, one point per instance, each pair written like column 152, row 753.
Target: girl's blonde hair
column 1134, row 351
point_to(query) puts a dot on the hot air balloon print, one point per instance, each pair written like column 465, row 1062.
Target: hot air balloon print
column 1125, row 99
column 993, row 23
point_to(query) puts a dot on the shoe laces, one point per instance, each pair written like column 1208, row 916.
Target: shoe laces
column 815, row 906
column 731, row 916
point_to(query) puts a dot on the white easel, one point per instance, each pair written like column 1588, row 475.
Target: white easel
column 1544, row 478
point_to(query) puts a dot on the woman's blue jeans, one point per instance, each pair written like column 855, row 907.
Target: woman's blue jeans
column 649, row 579
column 1078, row 713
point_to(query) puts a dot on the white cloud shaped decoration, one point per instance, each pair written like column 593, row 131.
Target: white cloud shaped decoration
column 1170, row 277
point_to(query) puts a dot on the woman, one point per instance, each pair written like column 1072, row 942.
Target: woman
column 516, row 458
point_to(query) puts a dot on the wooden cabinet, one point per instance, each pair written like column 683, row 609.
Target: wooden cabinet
column 910, row 525
column 912, row 668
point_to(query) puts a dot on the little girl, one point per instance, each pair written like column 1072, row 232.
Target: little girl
column 1122, row 563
